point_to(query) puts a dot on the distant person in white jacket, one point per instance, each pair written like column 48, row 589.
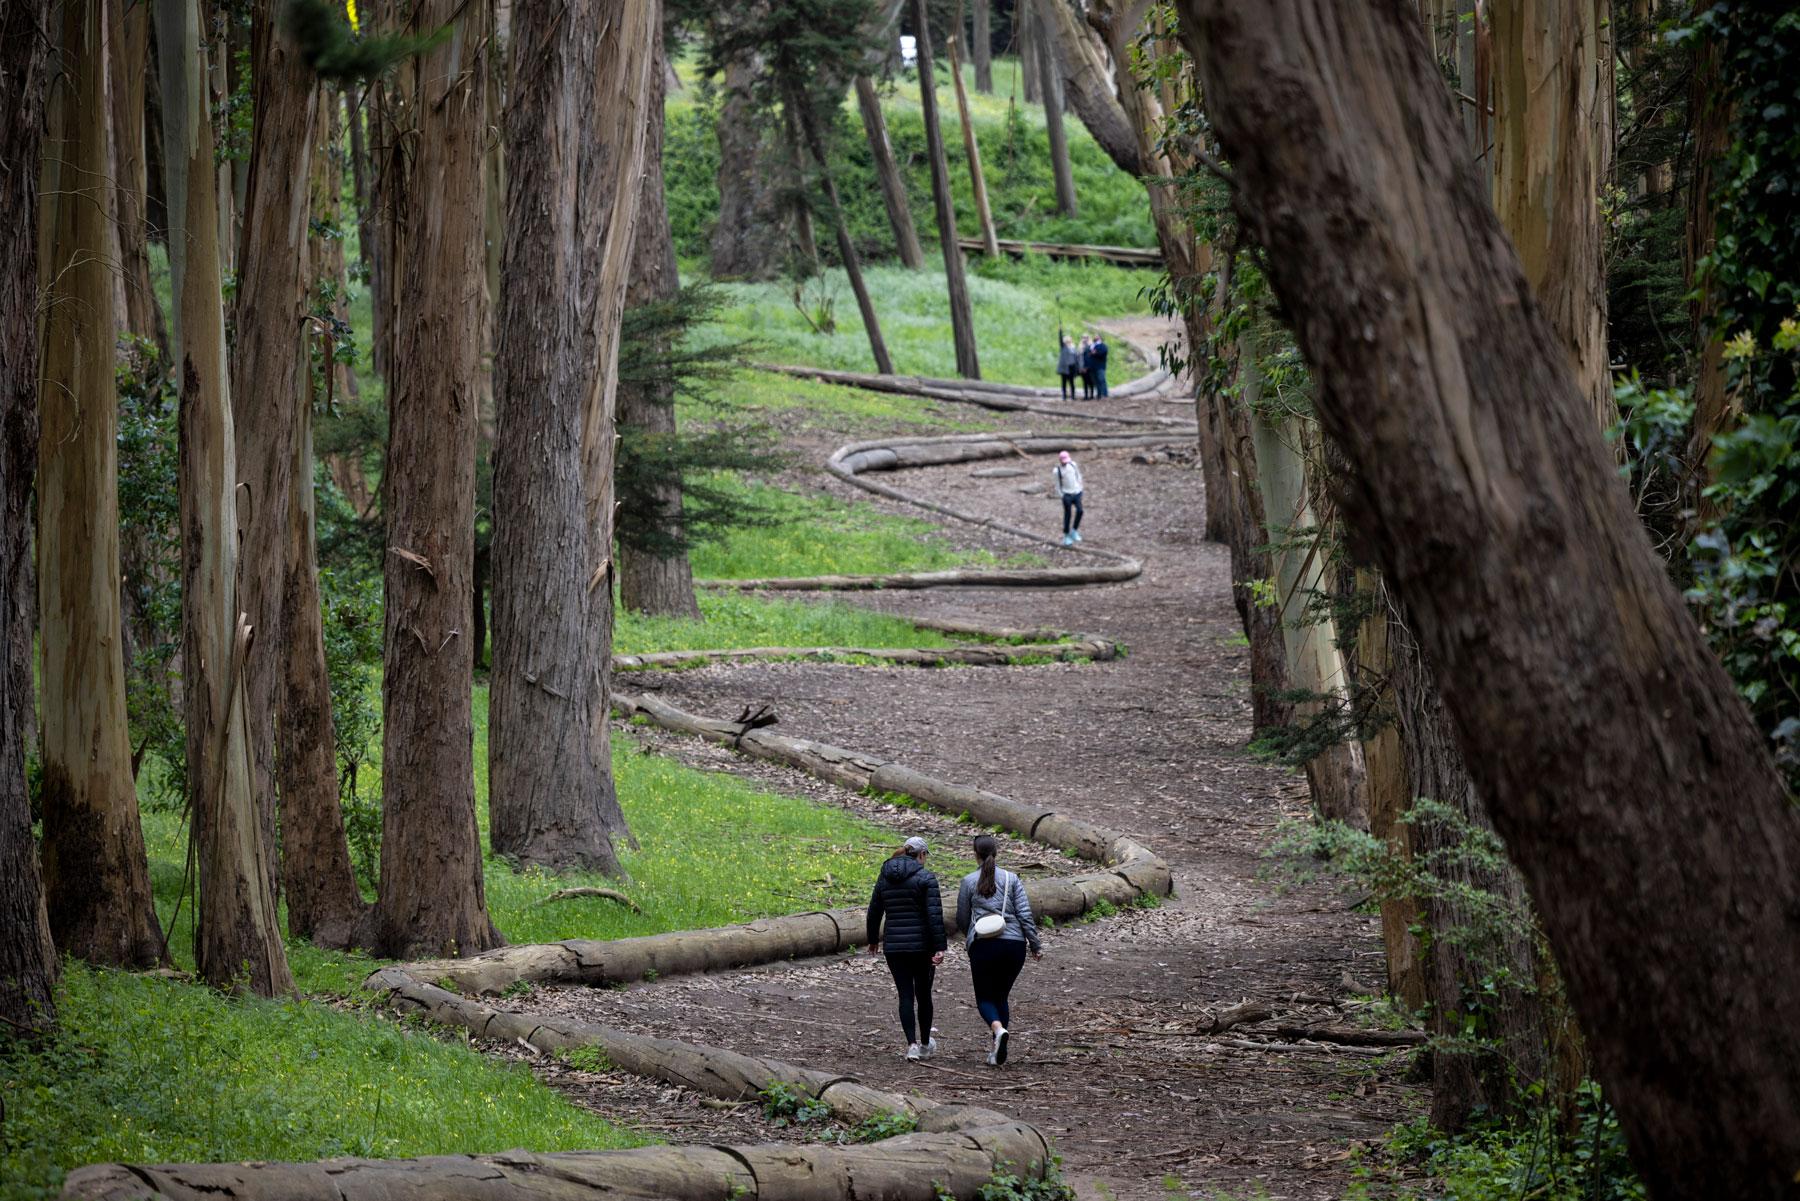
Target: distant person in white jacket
column 1068, row 483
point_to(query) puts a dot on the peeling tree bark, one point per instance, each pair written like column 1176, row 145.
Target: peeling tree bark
column 130, row 64
column 27, row 956
column 962, row 316
column 96, row 879
column 1478, row 481
column 576, row 126
column 1085, row 84
column 237, row 936
column 432, row 894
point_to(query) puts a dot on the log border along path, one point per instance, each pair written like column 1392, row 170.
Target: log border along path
column 957, row 1148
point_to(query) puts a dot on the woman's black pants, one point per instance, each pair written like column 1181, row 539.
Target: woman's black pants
column 995, row 963
column 913, row 974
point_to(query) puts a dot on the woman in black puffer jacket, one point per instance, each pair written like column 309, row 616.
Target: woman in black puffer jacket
column 906, row 894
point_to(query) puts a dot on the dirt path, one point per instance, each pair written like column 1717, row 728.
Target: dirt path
column 1104, row 1058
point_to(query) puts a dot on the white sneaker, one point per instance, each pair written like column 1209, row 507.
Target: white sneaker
column 912, row 1052
column 930, row 1047
column 999, row 1054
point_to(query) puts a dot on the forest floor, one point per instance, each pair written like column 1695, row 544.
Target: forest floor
column 1106, row 1056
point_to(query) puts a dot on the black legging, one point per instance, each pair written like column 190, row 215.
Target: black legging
column 995, row 963
column 1068, row 387
column 913, row 974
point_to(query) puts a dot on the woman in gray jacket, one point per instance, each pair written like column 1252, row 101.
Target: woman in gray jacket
column 995, row 961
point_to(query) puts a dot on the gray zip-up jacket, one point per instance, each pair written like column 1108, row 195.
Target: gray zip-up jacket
column 1009, row 900
column 1068, row 478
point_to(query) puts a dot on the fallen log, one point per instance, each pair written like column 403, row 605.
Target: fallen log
column 1125, row 256
column 1024, row 577
column 605, row 894
column 1077, row 650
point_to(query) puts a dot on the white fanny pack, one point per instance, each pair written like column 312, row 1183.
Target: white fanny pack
column 990, row 924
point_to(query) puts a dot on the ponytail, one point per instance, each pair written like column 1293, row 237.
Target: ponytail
column 987, row 848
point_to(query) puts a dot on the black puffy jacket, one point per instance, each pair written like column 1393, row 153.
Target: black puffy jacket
column 907, row 895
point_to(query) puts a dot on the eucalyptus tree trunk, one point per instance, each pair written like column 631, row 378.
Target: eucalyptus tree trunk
column 1026, row 37
column 1552, row 156
column 129, row 64
column 576, row 125
column 1285, row 475
column 990, row 242
column 662, row 585
column 865, row 304
column 981, row 45
column 324, row 903
column 1061, row 173
column 96, row 879
column 268, row 365
column 887, row 174
column 1715, row 406
column 433, row 899
column 1479, row 483
column 962, row 316
column 1084, row 81
column 747, row 241
column 237, row 935
column 27, row 956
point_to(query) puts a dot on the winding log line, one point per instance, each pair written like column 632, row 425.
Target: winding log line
column 1079, row 650
column 1004, row 398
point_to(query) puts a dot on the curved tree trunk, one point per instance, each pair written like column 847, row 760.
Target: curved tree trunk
column 237, row 936
column 1478, row 481
column 96, row 880
column 962, row 316
column 575, row 126
column 887, row 174
column 433, row 898
column 662, row 585
column 1085, row 83
column 27, row 956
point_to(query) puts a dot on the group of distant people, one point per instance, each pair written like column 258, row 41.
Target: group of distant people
column 1085, row 362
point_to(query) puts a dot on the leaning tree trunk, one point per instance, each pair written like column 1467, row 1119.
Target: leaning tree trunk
column 576, row 126
column 865, row 304
column 96, row 880
column 887, row 174
column 266, row 380
column 962, row 316
column 657, row 584
column 746, row 242
column 27, row 956
column 1061, row 173
column 1479, row 483
column 130, row 67
column 237, row 935
column 981, row 45
column 433, row 898
column 1084, row 83
column 990, row 242
column 1553, row 137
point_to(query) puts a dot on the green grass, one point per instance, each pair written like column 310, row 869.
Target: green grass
column 735, row 620
column 146, row 1070
column 1018, row 304
column 817, row 534
column 809, row 407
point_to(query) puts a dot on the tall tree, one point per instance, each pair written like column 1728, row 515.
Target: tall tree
column 576, row 126
column 27, row 956
column 433, row 899
column 323, row 901
column 887, row 174
column 1478, row 481
column 1552, row 156
column 962, row 314
column 981, row 45
column 652, row 582
column 268, row 368
column 96, row 879
column 1084, row 80
column 747, row 242
column 1062, row 174
column 972, row 152
column 129, row 61
column 237, row 936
